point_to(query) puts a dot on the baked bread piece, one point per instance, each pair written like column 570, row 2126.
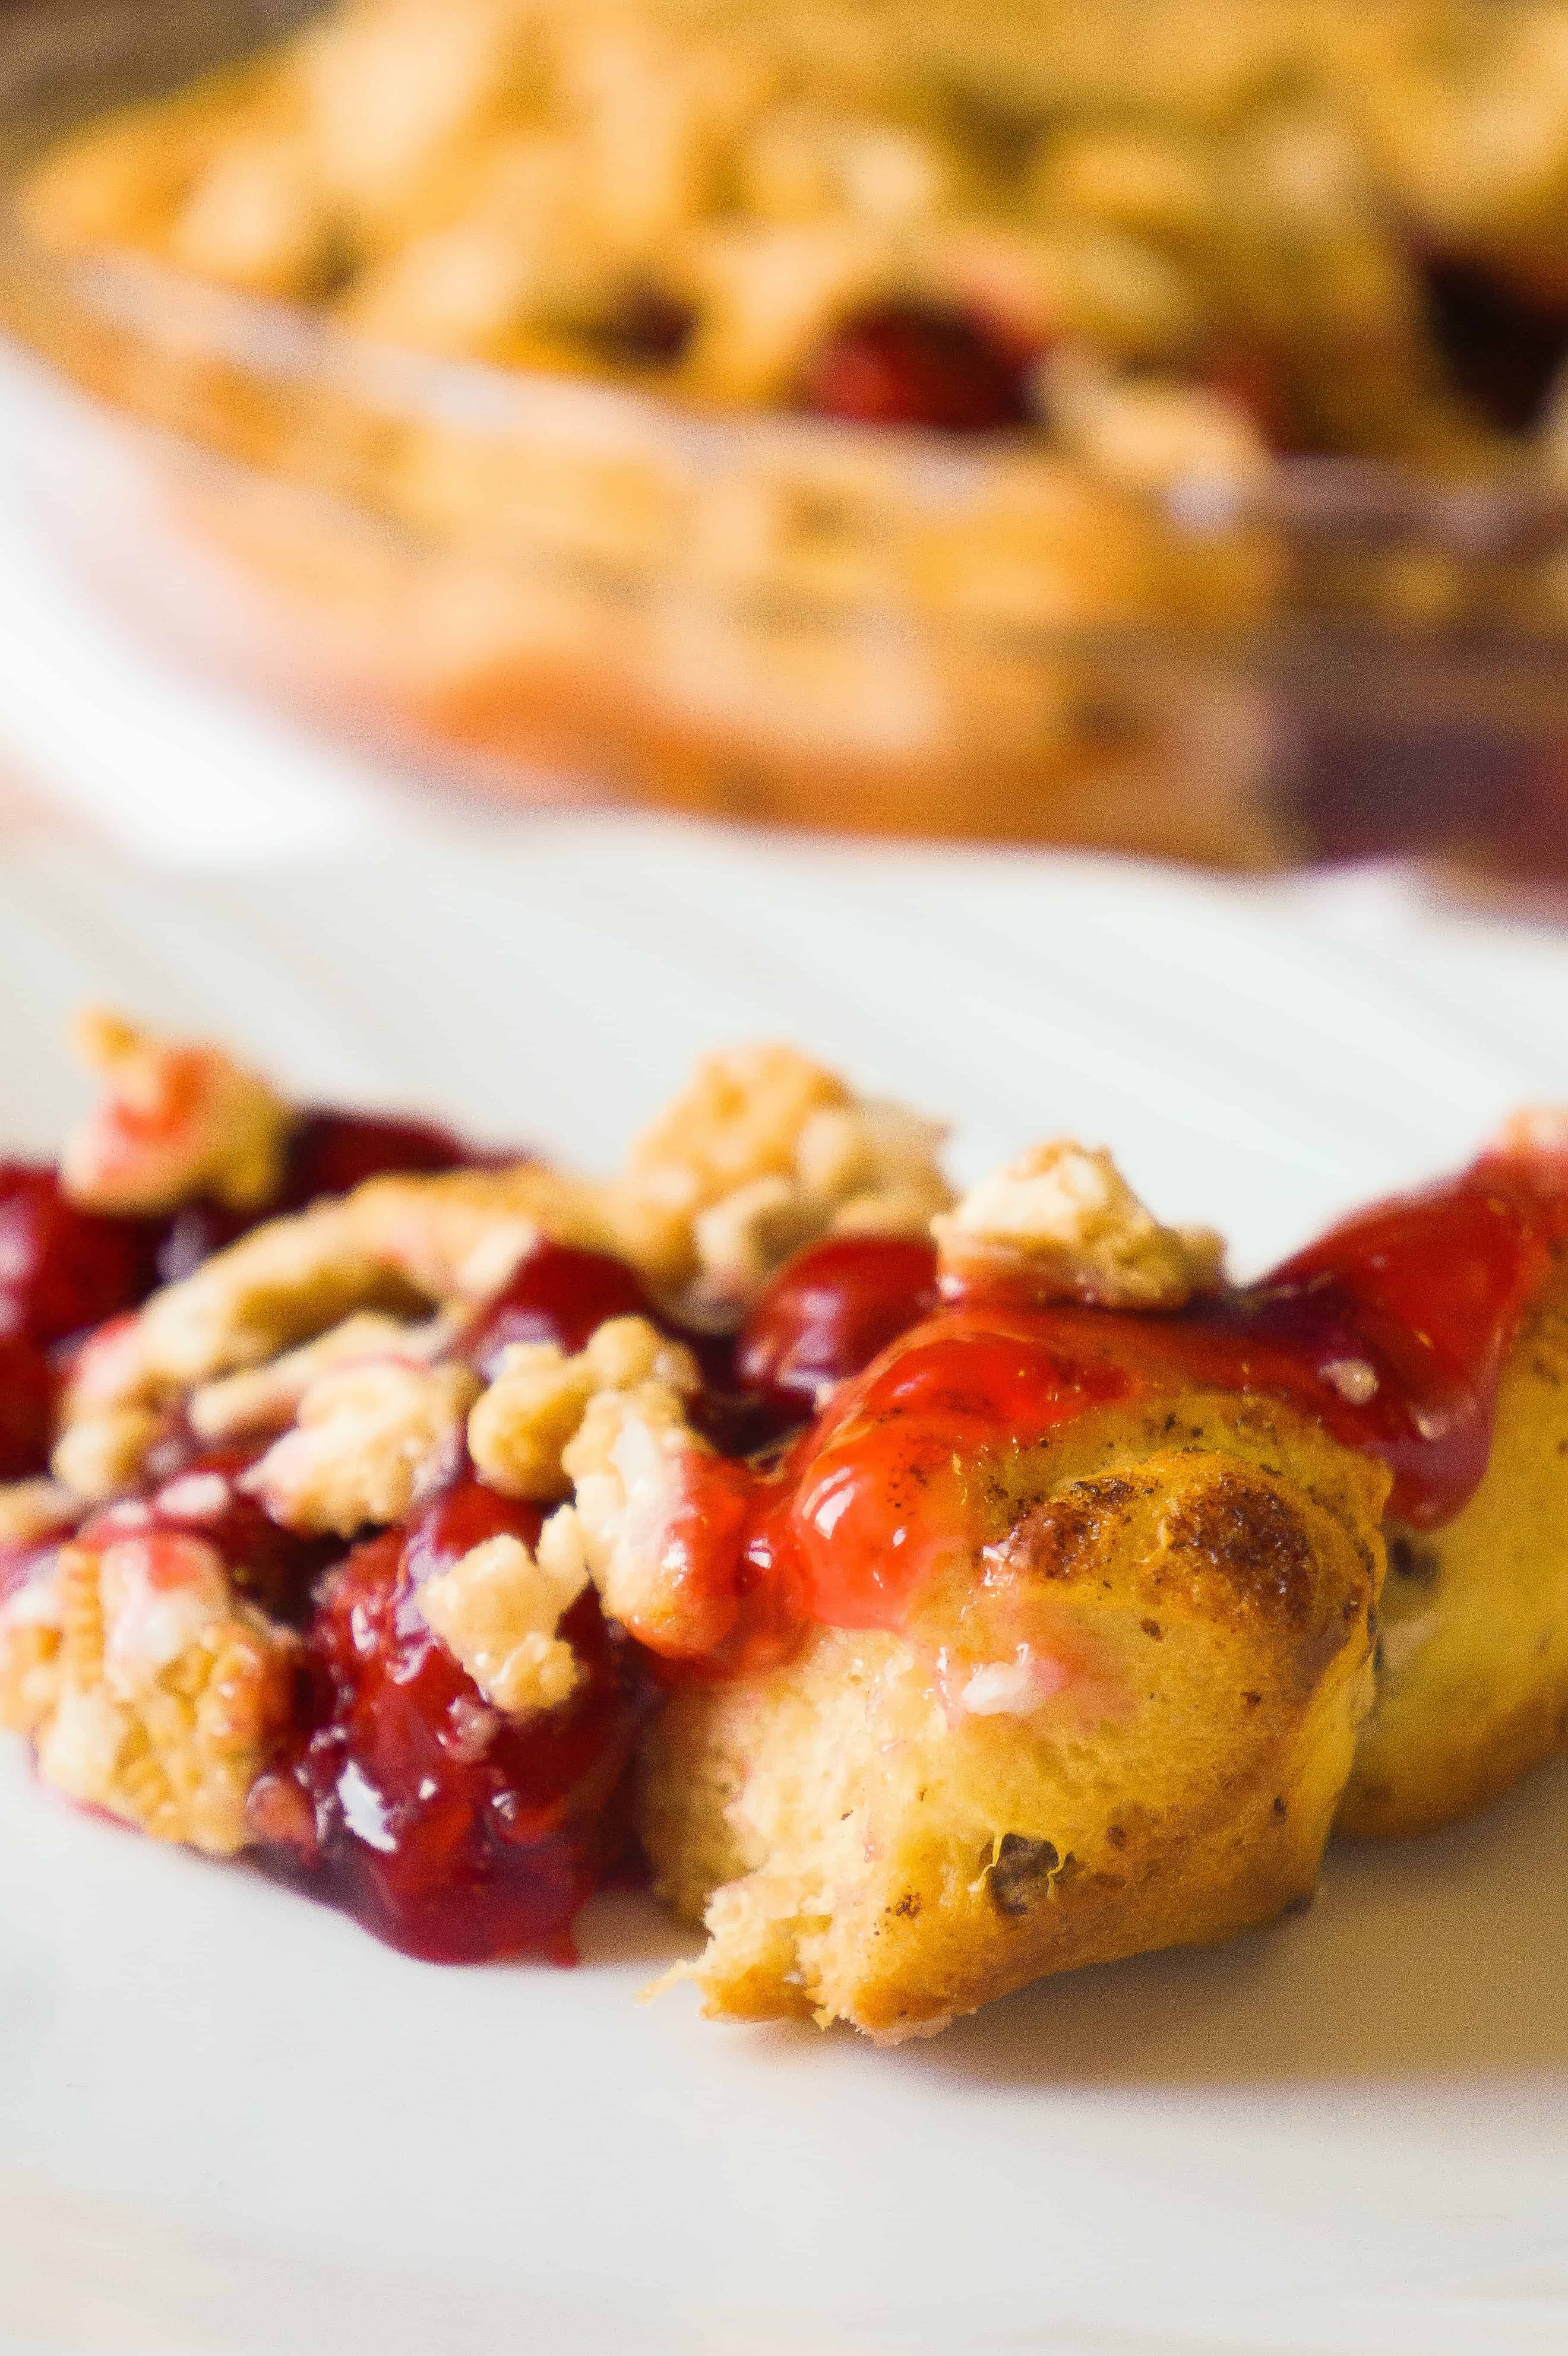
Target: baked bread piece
column 871, row 1842
column 1472, row 1687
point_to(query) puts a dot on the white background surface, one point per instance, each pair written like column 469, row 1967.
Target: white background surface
column 231, row 2124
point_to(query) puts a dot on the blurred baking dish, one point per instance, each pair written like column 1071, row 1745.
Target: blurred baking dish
column 1006, row 420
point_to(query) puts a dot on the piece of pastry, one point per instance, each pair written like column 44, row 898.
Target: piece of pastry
column 945, row 1592
column 1159, row 1529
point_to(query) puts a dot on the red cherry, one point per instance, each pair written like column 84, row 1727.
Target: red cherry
column 828, row 1311
column 556, row 1294
column 450, row 1831
column 459, row 1517
column 915, row 364
column 61, row 1269
column 332, row 1151
column 26, row 1407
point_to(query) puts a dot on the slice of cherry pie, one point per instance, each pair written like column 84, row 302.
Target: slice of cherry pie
column 931, row 1593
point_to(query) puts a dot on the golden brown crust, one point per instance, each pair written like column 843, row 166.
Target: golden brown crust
column 867, row 1848
column 1472, row 1681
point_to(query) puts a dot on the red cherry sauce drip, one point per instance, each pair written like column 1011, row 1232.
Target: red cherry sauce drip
column 450, row 1832
column 1390, row 1331
column 918, row 365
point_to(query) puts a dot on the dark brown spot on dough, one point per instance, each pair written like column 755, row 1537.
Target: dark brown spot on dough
column 1022, row 1871
column 1151, row 1628
column 1254, row 1541
column 908, row 1905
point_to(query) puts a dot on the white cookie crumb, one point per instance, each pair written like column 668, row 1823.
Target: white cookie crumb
column 762, row 1151
column 636, row 1465
column 178, row 1118
column 104, row 1452
column 195, row 1497
column 1015, row 1688
column 267, row 1397
column 161, row 1693
column 519, row 1428
column 31, row 1509
column 1063, row 1218
column 496, row 1610
column 1353, row 1378
column 371, row 1438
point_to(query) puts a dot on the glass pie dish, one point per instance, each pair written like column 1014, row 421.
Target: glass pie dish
column 556, row 585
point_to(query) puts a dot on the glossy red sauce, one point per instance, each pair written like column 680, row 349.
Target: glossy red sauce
column 450, row 1832
column 1390, row 1331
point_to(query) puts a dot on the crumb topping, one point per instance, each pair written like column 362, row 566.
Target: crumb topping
column 764, row 1150
column 1535, row 1129
column 29, row 1649
column 498, row 1610
column 104, row 1451
column 393, row 1244
column 531, row 1412
column 369, row 1439
column 648, row 1520
column 1063, row 1218
column 264, row 1398
column 177, row 1118
column 152, row 1691
column 29, row 1510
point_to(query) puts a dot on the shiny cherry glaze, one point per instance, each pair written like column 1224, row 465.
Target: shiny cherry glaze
column 26, row 1407
column 450, row 1832
column 556, row 1294
column 63, row 1270
column 917, row 364
column 1390, row 1331
column 827, row 1312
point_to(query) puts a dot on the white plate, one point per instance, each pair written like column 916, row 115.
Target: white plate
column 230, row 2123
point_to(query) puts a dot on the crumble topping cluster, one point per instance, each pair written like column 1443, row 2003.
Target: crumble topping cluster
column 173, row 1121
column 1063, row 1221
column 154, row 1685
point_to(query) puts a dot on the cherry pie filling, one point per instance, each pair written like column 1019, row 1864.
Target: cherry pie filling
column 870, row 1408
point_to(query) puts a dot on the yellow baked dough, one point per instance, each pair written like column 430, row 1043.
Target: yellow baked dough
column 1473, row 1674
column 864, row 1847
